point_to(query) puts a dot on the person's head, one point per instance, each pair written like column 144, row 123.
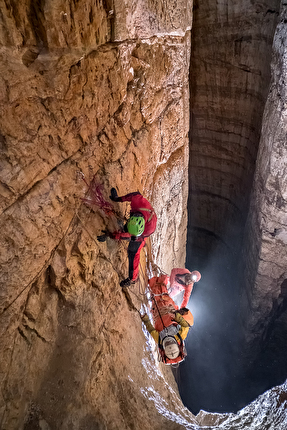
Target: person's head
column 171, row 347
column 136, row 224
column 185, row 278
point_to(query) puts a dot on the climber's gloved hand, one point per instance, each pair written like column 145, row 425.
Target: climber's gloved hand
column 125, row 283
column 179, row 315
column 114, row 195
column 182, row 311
column 103, row 237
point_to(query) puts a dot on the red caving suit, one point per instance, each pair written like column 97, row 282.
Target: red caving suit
column 142, row 205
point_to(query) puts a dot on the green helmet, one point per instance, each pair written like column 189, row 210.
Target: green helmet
column 136, row 225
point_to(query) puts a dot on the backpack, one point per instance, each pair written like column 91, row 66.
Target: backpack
column 188, row 318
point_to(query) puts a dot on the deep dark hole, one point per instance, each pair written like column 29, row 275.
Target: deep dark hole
column 221, row 373
column 215, row 375
column 208, row 377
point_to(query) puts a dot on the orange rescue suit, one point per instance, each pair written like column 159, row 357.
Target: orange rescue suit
column 164, row 309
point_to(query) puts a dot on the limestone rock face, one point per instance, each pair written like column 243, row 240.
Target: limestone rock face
column 266, row 412
column 230, row 72
column 87, row 88
column 265, row 273
column 230, row 80
column 101, row 88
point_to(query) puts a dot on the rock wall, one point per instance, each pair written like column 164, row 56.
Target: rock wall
column 102, row 88
column 99, row 88
column 230, row 73
column 230, row 79
column 266, row 412
column 264, row 300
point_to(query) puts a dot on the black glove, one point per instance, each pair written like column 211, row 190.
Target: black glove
column 102, row 238
column 114, row 195
column 183, row 311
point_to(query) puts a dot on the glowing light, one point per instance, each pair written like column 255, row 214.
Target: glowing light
column 195, row 276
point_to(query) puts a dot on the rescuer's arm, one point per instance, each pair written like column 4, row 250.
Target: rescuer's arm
column 187, row 292
column 183, row 323
column 127, row 198
column 183, row 332
column 120, row 235
column 186, row 315
column 180, row 320
column 150, row 328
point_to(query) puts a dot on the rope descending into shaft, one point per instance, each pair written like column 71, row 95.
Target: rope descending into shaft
column 158, row 310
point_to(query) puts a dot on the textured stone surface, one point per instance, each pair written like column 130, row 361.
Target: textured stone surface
column 265, row 317
column 267, row 412
column 230, row 72
column 230, row 78
column 87, row 87
column 102, row 87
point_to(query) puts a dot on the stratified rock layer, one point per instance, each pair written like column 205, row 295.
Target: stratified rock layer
column 265, row 276
column 230, row 72
column 101, row 88
column 87, row 87
column 230, row 78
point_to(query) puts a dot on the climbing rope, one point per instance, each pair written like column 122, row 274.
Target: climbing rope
column 96, row 201
column 94, row 196
column 143, row 286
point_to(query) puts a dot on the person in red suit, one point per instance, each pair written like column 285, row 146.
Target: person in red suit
column 141, row 224
column 183, row 280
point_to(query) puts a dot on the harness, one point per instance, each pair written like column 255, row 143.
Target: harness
column 170, row 331
column 148, row 210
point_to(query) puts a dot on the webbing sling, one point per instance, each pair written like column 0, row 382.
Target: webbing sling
column 148, row 210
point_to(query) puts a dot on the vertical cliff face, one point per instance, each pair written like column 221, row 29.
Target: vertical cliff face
column 230, row 73
column 230, row 80
column 99, row 88
column 265, row 317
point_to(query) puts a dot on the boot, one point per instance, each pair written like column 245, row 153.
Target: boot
column 102, row 238
column 114, row 195
column 126, row 283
